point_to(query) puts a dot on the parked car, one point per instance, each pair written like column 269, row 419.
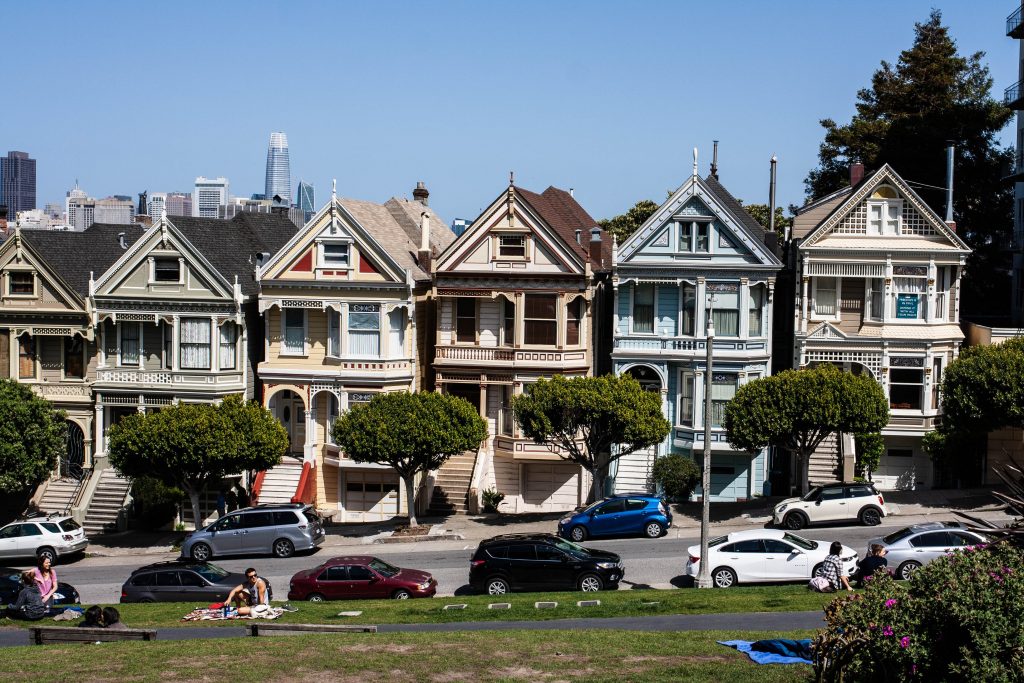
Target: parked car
column 53, row 536
column 538, row 562
column 627, row 514
column 180, row 581
column 764, row 555
column 276, row 529
column 10, row 586
column 919, row 544
column 835, row 502
column 351, row 578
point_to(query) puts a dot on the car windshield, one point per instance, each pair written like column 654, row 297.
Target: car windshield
column 210, row 572
column 383, row 568
column 812, row 494
column 569, row 546
column 897, row 535
column 69, row 525
column 594, row 506
column 800, row 541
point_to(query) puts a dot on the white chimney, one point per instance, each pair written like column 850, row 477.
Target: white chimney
column 424, row 232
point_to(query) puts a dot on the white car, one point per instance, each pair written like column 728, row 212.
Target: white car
column 835, row 502
column 765, row 555
column 51, row 537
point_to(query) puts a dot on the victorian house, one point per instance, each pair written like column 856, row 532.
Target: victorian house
column 346, row 313
column 520, row 295
column 877, row 292
column 699, row 255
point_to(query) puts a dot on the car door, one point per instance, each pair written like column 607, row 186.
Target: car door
column 831, row 505
column 784, row 562
column 929, row 546
column 167, row 587
column 258, row 532
column 557, row 571
column 226, row 535
column 607, row 519
column 745, row 557
column 331, row 583
column 634, row 517
column 9, row 538
column 193, row 587
column 363, row 583
column 522, row 565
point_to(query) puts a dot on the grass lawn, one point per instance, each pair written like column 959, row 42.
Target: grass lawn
column 593, row 656
column 613, row 604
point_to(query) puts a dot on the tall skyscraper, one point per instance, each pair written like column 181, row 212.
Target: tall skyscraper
column 157, row 205
column 306, row 202
column 79, row 208
column 17, row 182
column 179, row 204
column 279, row 176
column 208, row 196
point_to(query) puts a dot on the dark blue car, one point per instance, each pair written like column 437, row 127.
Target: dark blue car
column 623, row 515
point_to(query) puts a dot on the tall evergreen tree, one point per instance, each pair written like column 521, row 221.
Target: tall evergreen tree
column 913, row 109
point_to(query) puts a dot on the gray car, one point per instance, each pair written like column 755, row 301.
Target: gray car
column 180, row 582
column 919, row 544
column 280, row 530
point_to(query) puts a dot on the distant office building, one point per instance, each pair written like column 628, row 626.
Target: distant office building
column 279, row 177
column 237, row 205
column 209, row 195
column 79, row 208
column 54, row 210
column 459, row 225
column 143, row 208
column 179, row 204
column 17, row 182
column 116, row 210
column 157, row 205
column 257, row 196
column 307, row 201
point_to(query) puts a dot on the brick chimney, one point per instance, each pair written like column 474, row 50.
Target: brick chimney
column 952, row 225
column 595, row 246
column 856, row 173
column 421, row 193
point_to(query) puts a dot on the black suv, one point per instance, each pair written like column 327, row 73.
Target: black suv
column 539, row 562
column 180, row 581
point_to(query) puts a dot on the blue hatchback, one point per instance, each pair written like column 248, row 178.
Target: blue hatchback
column 627, row 514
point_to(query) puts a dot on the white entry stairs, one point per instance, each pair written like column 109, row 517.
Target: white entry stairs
column 451, row 487
column 280, row 482
column 58, row 495
column 107, row 501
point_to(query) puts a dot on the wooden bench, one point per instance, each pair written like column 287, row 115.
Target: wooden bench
column 271, row 629
column 46, row 635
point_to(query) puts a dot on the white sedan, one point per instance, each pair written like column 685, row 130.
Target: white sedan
column 765, row 555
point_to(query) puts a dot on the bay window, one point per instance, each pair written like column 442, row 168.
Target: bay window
column 465, row 320
column 906, row 388
column 911, row 297
column 723, row 389
column 725, row 310
column 643, row 308
column 131, row 338
column 396, row 333
column 540, row 320
column 333, row 333
column 195, row 343
column 826, row 297
column 364, row 329
column 685, row 417
column 688, row 320
column 755, row 301
column 293, row 320
column 228, row 339
column 573, row 321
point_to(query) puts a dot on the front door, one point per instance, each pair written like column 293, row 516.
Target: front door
column 73, row 461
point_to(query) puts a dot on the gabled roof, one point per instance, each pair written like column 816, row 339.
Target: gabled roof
column 73, row 256
column 563, row 213
column 735, row 208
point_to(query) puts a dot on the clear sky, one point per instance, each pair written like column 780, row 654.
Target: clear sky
column 606, row 97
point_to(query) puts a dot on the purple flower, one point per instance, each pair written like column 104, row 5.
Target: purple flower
column 904, row 642
column 890, row 603
column 887, row 631
column 913, row 668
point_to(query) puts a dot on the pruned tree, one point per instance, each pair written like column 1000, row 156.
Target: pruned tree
column 624, row 225
column 193, row 445
column 762, row 214
column 797, row 409
column 412, row 433
column 33, row 436
column 591, row 421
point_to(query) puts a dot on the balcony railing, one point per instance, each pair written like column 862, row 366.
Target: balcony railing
column 1012, row 96
column 63, row 392
column 474, row 354
column 167, row 377
column 1013, row 23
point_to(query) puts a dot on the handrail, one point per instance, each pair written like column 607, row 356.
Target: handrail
column 1012, row 94
column 305, row 491
column 481, row 468
column 1014, row 20
column 257, row 487
column 82, row 476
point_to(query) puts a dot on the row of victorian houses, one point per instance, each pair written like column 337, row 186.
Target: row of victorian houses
column 369, row 298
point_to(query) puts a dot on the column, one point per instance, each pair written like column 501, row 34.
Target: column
column 744, row 306
column 520, row 317
column 308, row 449
column 176, row 344
column 887, row 289
column 99, row 441
column 102, row 341
column 804, row 284
column 930, row 291
column 214, row 344
column 700, row 325
column 560, row 320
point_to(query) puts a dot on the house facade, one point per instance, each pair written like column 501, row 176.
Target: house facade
column 699, row 255
column 877, row 293
column 520, row 295
column 346, row 311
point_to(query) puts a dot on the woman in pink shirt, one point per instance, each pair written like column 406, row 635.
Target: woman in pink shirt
column 46, row 577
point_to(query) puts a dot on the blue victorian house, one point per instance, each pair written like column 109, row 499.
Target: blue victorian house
column 699, row 254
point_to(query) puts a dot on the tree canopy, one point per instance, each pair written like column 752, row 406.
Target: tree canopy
column 761, row 214
column 624, row 225
column 797, row 409
column 193, row 445
column 33, row 436
column 591, row 421
column 983, row 389
column 931, row 96
column 412, row 433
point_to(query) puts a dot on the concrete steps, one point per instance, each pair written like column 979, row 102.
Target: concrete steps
column 451, row 485
column 106, row 504
column 280, row 482
column 58, row 495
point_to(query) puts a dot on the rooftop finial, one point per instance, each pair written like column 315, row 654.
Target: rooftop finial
column 511, row 177
column 694, row 161
column 334, row 189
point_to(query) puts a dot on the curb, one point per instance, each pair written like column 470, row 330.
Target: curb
column 448, row 536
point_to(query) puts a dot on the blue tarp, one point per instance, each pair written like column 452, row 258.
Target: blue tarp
column 763, row 657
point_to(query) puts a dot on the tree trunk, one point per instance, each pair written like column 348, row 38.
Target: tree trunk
column 596, row 485
column 410, row 499
column 197, row 513
column 804, row 460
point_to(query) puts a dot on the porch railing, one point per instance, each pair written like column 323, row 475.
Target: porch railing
column 305, row 492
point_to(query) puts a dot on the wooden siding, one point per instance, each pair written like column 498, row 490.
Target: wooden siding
column 851, row 305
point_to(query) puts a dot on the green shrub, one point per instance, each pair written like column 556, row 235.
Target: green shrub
column 492, row 499
column 156, row 504
column 677, row 475
column 957, row 619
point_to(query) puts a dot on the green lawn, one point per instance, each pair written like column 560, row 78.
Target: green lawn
column 621, row 603
column 592, row 656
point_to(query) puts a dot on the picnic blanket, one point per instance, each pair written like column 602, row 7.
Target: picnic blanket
column 207, row 614
column 757, row 650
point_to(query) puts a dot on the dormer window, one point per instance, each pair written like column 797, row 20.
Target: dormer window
column 166, row 270
column 512, row 246
column 884, row 210
column 335, row 255
column 694, row 236
column 21, row 283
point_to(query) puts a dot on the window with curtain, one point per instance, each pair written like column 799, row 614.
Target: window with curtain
column 643, row 308
column 333, row 333
column 540, row 320
column 508, row 323
column 167, row 332
column 688, row 323
column 686, row 399
column 294, row 331
column 723, row 389
column 364, row 329
column 74, row 358
column 874, row 290
column 573, row 321
column 465, row 320
column 228, row 339
column 130, row 338
column 725, row 310
column 911, row 297
column 755, row 301
column 396, row 333
column 826, row 296
column 195, row 343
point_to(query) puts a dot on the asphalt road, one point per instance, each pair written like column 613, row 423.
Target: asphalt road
column 650, row 563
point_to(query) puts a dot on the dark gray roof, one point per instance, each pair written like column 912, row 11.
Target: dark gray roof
column 72, row 256
column 735, row 208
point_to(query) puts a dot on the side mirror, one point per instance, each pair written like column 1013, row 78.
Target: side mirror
column 797, row 551
column 374, row 579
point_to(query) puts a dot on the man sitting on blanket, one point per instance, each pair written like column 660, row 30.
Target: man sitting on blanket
column 254, row 592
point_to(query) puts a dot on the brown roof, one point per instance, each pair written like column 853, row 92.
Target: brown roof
column 563, row 213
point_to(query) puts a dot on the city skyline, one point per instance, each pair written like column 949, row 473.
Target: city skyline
column 278, row 176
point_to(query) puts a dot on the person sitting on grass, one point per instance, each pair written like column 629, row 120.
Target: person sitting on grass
column 112, row 619
column 29, row 605
column 832, row 568
column 93, row 618
column 872, row 563
column 249, row 594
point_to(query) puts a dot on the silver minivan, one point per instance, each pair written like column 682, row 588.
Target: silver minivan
column 276, row 529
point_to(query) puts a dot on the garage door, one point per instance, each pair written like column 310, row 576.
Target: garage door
column 550, row 487
column 729, row 475
column 902, row 469
column 371, row 496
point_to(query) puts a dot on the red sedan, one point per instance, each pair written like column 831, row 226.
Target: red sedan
column 360, row 577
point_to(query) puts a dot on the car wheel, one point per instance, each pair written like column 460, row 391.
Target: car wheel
column 870, row 516
column 201, row 552
column 401, row 594
column 283, row 548
column 578, row 534
column 316, row 597
column 497, row 586
column 723, row 577
column 653, row 530
column 147, row 601
column 590, row 583
column 47, row 553
column 907, row 569
column 795, row 521
column 818, row 568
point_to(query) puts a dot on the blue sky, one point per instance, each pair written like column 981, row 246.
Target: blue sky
column 607, row 98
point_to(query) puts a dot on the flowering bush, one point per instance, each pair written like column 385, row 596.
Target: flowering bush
column 959, row 618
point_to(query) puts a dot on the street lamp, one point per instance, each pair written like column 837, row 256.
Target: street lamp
column 704, row 576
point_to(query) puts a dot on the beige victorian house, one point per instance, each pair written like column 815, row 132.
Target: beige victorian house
column 346, row 316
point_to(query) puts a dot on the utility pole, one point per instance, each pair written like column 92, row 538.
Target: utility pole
column 704, row 576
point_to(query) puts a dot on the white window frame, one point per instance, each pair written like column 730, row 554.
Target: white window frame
column 333, row 333
column 924, row 399
column 654, row 308
column 763, row 309
column 321, row 255
column 507, row 303
column 512, row 257
column 922, row 300
column 581, row 304
column 691, row 227
column 735, row 386
column 213, row 343
column 684, row 377
column 380, row 327
column 402, row 313
column 885, row 222
column 152, row 270
column 284, row 351
column 8, row 283
column 229, row 324
column 870, row 314
column 682, row 310
column 815, row 280
column 120, row 344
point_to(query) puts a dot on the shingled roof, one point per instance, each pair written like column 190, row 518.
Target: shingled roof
column 736, row 208
column 73, row 256
column 563, row 213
